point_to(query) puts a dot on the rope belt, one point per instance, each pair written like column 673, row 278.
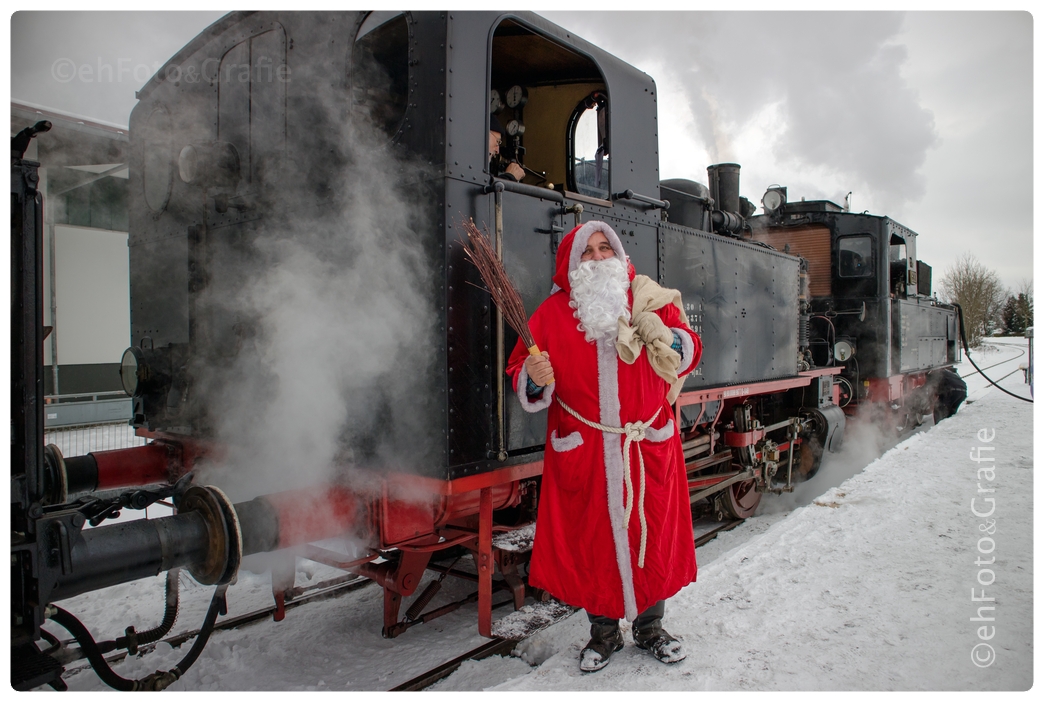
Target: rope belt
column 633, row 432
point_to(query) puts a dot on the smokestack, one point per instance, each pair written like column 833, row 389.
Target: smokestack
column 723, row 180
column 729, row 212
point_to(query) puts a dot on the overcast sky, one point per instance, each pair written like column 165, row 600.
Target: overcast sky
column 924, row 117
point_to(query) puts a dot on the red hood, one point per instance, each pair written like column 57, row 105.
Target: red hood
column 573, row 245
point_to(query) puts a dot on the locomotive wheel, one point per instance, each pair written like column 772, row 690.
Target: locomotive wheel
column 808, row 458
column 950, row 392
column 739, row 500
column 902, row 422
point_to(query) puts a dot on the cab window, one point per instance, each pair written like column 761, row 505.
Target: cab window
column 588, row 147
column 380, row 71
column 536, row 86
column 855, row 257
column 897, row 265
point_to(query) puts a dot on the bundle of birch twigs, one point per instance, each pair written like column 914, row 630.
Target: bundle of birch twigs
column 479, row 250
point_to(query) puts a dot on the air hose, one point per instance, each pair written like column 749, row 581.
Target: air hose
column 91, row 650
column 964, row 343
column 159, row 680
column 134, row 639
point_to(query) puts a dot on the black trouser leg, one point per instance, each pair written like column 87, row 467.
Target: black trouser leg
column 649, row 622
column 603, row 628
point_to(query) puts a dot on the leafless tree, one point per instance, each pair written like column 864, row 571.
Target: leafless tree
column 978, row 291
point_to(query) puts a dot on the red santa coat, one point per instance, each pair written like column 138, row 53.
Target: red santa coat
column 584, row 554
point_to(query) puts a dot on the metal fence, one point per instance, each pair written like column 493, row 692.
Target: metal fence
column 79, row 441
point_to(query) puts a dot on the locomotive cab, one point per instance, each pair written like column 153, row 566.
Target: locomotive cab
column 554, row 105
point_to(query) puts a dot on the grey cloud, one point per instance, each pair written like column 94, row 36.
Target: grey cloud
column 836, row 77
column 112, row 55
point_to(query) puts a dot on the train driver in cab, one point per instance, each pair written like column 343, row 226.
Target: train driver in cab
column 498, row 166
column 614, row 530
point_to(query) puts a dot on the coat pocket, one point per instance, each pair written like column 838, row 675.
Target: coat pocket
column 567, row 442
column 662, row 434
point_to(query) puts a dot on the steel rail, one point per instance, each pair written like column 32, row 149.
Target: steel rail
column 982, row 392
column 1022, row 352
column 490, row 648
column 709, row 536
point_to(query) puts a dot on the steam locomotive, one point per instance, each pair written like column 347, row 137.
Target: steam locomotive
column 244, row 145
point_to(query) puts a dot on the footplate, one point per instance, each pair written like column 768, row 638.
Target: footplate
column 516, row 540
column 31, row 668
column 530, row 619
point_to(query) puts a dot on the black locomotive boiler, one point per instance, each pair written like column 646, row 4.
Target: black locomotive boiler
column 264, row 130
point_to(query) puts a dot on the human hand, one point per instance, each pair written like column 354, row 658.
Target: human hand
column 539, row 368
column 515, row 171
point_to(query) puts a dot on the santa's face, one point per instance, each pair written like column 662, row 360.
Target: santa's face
column 598, row 248
column 598, row 291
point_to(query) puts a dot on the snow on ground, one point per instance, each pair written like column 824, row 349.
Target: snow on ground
column 867, row 588
column 859, row 580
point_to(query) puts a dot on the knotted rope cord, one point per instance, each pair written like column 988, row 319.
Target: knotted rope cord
column 633, row 431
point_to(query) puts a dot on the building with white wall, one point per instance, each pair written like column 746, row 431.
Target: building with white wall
column 83, row 178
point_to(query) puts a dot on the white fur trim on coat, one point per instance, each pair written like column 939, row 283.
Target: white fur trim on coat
column 567, row 442
column 609, row 414
column 662, row 434
column 539, row 403
column 688, row 348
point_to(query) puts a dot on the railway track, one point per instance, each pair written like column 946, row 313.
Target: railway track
column 321, row 591
column 1021, row 353
column 979, row 394
column 500, row 647
column 711, row 533
column 337, row 587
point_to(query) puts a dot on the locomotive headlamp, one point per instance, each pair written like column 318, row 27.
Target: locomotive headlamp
column 843, row 351
column 212, row 164
column 144, row 371
column 773, row 199
column 129, row 370
column 188, row 164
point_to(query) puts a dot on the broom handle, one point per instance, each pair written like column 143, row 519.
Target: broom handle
column 534, row 351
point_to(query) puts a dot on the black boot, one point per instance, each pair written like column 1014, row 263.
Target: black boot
column 649, row 634
column 606, row 640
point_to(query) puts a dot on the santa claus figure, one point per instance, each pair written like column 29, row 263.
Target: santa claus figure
column 614, row 531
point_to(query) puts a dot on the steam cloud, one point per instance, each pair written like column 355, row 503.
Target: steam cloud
column 330, row 313
column 865, row 442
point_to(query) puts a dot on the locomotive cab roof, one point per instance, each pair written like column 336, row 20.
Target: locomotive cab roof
column 811, row 206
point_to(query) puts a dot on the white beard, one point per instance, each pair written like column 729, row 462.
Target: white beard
column 599, row 296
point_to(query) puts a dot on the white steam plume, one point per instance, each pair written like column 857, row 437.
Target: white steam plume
column 338, row 304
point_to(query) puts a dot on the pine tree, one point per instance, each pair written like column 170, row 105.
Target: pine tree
column 1010, row 317
column 1024, row 308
